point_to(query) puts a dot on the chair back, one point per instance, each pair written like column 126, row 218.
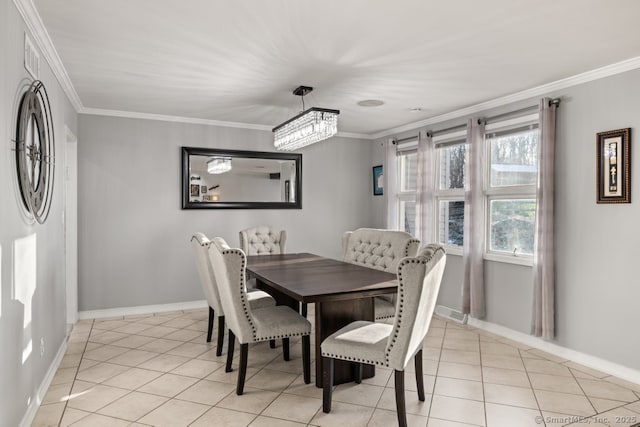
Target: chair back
column 262, row 240
column 200, row 244
column 229, row 267
column 379, row 249
column 418, row 285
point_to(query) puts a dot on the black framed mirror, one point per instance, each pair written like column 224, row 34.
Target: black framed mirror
column 235, row 179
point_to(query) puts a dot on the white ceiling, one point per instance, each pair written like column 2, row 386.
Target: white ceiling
column 239, row 60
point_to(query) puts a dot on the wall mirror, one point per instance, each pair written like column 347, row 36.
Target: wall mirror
column 233, row 179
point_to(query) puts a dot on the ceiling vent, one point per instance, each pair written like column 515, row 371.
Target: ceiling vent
column 31, row 58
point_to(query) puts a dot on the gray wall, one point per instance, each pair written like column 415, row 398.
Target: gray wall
column 134, row 245
column 597, row 290
column 30, row 310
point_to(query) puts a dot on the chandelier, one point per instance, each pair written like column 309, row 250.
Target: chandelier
column 308, row 127
column 218, row 165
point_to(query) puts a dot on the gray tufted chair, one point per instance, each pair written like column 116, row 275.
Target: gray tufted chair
column 394, row 345
column 257, row 299
column 381, row 250
column 262, row 240
column 251, row 324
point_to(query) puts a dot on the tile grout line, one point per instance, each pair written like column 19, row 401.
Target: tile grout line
column 533, row 390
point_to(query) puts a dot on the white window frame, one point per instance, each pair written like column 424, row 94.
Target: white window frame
column 446, row 195
column 505, row 192
column 404, row 196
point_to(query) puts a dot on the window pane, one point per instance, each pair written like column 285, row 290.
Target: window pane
column 451, row 222
column 408, row 216
column 512, row 225
column 451, row 160
column 408, row 171
column 514, row 158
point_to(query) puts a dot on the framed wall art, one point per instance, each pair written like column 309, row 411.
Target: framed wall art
column 377, row 180
column 613, row 166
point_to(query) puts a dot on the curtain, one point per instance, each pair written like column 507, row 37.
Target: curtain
column 390, row 178
column 425, row 194
column 543, row 323
column 473, row 300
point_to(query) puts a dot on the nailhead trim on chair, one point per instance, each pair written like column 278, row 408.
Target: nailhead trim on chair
column 245, row 303
column 354, row 359
column 396, row 327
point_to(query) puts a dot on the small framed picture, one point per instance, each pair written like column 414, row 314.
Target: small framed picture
column 203, row 189
column 377, row 180
column 613, row 164
column 195, row 190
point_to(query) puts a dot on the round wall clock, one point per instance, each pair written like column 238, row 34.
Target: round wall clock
column 35, row 151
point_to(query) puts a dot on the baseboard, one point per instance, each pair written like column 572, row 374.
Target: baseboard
column 32, row 410
column 141, row 309
column 587, row 360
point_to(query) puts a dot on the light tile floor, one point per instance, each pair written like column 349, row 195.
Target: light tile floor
column 158, row 370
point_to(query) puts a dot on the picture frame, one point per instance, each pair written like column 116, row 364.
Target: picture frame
column 203, row 189
column 195, row 190
column 378, row 178
column 613, row 166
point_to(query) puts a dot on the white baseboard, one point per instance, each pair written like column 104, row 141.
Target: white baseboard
column 587, row 360
column 32, row 410
column 141, row 309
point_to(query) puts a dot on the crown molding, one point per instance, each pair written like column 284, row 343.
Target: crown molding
column 589, row 76
column 354, row 135
column 34, row 23
column 168, row 118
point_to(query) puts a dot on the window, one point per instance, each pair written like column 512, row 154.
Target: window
column 408, row 171
column 511, row 191
column 450, row 165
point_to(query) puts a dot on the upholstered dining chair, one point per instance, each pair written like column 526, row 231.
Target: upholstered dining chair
column 392, row 346
column 256, row 299
column 380, row 250
column 249, row 324
column 264, row 240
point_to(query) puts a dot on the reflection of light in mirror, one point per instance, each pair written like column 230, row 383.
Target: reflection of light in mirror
column 24, row 269
column 214, row 197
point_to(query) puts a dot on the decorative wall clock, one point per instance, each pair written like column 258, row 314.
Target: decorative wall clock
column 35, row 151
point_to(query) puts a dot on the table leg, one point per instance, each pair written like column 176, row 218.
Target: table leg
column 331, row 316
column 281, row 299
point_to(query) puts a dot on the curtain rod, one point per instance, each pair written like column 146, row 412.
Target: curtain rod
column 555, row 101
column 401, row 140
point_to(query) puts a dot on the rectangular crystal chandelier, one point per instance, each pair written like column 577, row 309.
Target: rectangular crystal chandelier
column 217, row 165
column 308, row 127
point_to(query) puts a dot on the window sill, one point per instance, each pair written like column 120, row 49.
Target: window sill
column 453, row 250
column 509, row 259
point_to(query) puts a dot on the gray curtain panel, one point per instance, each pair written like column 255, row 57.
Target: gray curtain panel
column 473, row 298
column 390, row 178
column 425, row 194
column 543, row 323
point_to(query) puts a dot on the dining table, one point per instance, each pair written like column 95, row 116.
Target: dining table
column 342, row 293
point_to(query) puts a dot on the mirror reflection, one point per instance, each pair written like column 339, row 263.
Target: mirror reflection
column 240, row 179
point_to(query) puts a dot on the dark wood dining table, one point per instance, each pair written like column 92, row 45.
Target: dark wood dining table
column 342, row 292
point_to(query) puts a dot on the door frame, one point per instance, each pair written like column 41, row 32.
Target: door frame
column 71, row 227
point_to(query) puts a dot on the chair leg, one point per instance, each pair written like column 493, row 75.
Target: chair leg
column 419, row 376
column 272, row 343
column 357, row 372
column 285, row 349
column 400, row 404
column 327, row 383
column 306, row 358
column 232, row 341
column 220, row 335
column 242, row 373
column 210, row 327
column 303, row 309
